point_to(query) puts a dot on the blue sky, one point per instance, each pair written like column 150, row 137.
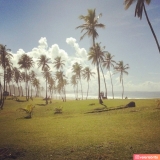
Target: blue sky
column 48, row 27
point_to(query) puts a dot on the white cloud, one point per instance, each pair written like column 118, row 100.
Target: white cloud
column 79, row 52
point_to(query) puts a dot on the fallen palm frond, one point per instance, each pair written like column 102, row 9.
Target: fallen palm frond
column 29, row 110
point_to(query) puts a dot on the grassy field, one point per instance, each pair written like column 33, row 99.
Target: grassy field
column 77, row 134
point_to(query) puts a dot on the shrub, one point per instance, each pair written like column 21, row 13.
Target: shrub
column 58, row 110
column 29, row 110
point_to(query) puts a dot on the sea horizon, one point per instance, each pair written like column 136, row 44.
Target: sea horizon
column 118, row 95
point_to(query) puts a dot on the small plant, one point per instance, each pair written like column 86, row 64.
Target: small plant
column 29, row 110
column 58, row 110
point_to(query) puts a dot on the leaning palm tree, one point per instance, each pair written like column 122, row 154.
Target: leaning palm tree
column 58, row 63
column 122, row 69
column 89, row 27
column 140, row 7
column 26, row 62
column 108, row 62
column 87, row 74
column 77, row 70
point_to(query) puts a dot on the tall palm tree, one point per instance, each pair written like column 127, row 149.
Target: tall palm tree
column 87, row 74
column 122, row 69
column 32, row 75
column 36, row 84
column 89, row 27
column 58, row 63
column 140, row 7
column 17, row 77
column 60, row 77
column 108, row 62
column 74, row 82
column 77, row 70
column 46, row 74
column 5, row 57
column 51, row 87
column 100, row 54
column 26, row 62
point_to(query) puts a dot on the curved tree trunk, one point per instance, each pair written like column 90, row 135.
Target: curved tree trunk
column 152, row 29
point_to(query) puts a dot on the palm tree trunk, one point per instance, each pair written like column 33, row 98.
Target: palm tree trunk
column 122, row 89
column 152, row 29
column 104, row 81
column 87, row 90
column 81, row 88
column 97, row 64
column 46, row 92
column 111, row 84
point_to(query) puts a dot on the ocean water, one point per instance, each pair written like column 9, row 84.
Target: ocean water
column 118, row 95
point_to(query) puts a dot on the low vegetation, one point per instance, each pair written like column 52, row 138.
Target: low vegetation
column 77, row 134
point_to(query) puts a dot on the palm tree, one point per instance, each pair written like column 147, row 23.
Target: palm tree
column 90, row 25
column 32, row 76
column 74, row 82
column 46, row 74
column 26, row 62
column 5, row 57
column 51, row 87
column 140, row 6
column 17, row 77
column 36, row 84
column 87, row 74
column 108, row 62
column 60, row 77
column 43, row 62
column 58, row 63
column 122, row 69
column 77, row 69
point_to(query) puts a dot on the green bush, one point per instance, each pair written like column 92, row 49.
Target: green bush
column 58, row 110
column 29, row 110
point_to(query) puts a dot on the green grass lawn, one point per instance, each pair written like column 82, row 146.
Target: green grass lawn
column 77, row 134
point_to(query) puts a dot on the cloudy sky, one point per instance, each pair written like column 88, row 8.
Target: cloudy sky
column 48, row 27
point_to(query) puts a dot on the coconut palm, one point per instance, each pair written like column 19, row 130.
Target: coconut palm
column 60, row 77
column 46, row 74
column 89, row 27
column 140, row 7
column 87, row 74
column 122, row 69
column 26, row 62
column 5, row 57
column 108, row 62
column 17, row 77
column 43, row 62
column 51, row 87
column 77, row 70
column 32, row 75
column 58, row 63
column 36, row 84
column 93, row 57
column 74, row 83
